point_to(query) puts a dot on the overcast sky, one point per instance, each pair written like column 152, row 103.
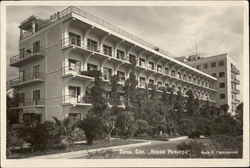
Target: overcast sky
column 175, row 29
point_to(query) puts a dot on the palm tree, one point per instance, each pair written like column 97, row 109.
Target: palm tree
column 64, row 130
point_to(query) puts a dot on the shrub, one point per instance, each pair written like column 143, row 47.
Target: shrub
column 186, row 127
column 92, row 128
column 141, row 127
column 125, row 124
column 13, row 139
column 203, row 126
column 38, row 136
column 227, row 125
column 194, row 148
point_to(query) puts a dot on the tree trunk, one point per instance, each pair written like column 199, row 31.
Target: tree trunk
column 109, row 136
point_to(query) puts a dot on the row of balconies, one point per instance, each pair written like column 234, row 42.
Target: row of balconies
column 106, row 77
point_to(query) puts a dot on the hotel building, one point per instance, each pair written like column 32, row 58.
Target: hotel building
column 56, row 54
column 224, row 69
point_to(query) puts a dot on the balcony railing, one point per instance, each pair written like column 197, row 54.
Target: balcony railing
column 31, row 102
column 237, row 91
column 74, row 99
column 111, row 27
column 236, row 81
column 236, row 100
column 235, row 70
column 38, row 76
column 31, row 53
column 25, row 34
column 107, row 52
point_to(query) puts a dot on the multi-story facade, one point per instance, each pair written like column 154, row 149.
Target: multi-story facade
column 224, row 69
column 56, row 55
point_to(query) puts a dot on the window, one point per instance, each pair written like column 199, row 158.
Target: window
column 205, row 66
column 142, row 81
column 222, row 85
column 166, row 85
column 22, row 53
column 213, row 74
column 202, row 83
column 222, row 96
column 189, row 78
column 173, row 86
column 92, row 45
column 21, row 75
column 92, row 67
column 21, row 99
column 151, row 81
column 36, row 47
column 74, row 65
column 221, row 74
column 132, row 58
column 159, row 84
column 36, row 71
column 172, row 73
column 74, row 94
column 151, row 65
column 107, row 50
column 179, row 75
column 194, row 80
column 179, row 88
column 121, row 75
column 198, row 67
column 184, row 91
column 166, row 71
column 75, row 39
column 184, row 77
column 142, row 62
column 36, row 96
column 213, row 65
column 159, row 68
column 107, row 73
column 221, row 63
column 30, row 118
column 120, row 54
column 198, row 82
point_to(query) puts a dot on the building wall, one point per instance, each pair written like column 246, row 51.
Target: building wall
column 227, row 79
column 57, row 56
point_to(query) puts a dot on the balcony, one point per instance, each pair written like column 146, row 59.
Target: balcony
column 73, row 72
column 31, row 78
column 236, row 91
column 30, row 103
column 236, row 81
column 236, row 101
column 26, row 56
column 235, row 70
column 76, row 100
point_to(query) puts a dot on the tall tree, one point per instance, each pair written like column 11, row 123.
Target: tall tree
column 98, row 101
column 190, row 103
column 130, row 89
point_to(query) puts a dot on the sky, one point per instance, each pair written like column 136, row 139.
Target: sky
column 176, row 29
